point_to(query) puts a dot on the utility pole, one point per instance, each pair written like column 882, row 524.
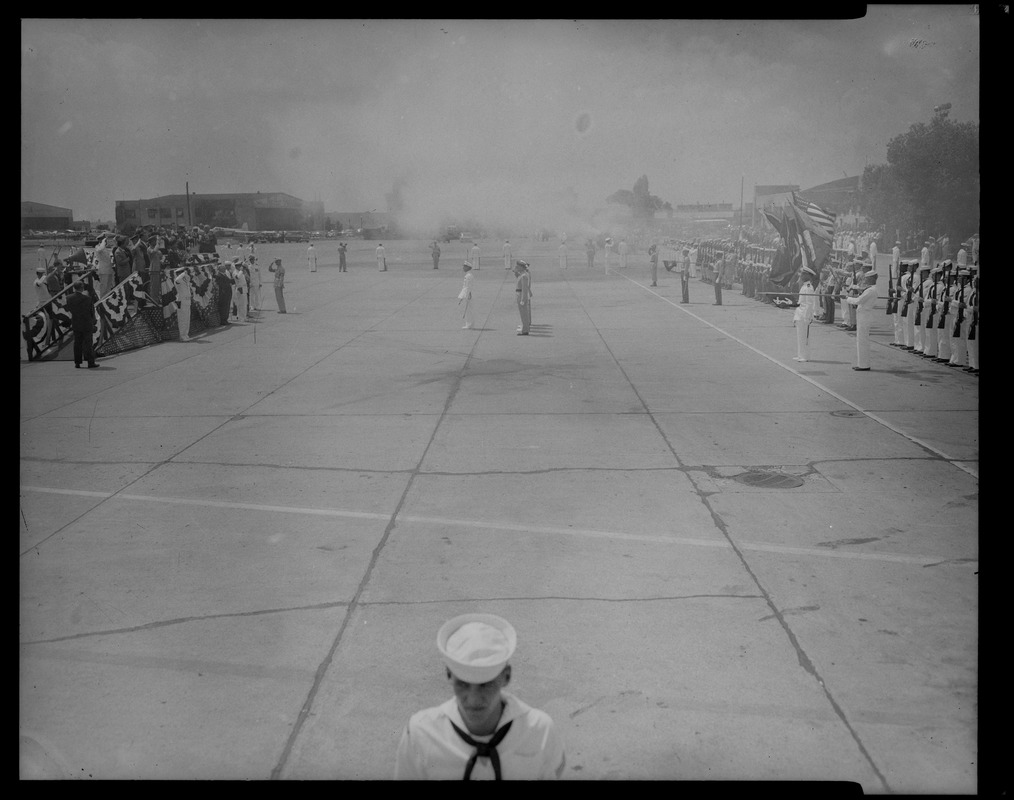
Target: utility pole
column 190, row 221
column 741, row 179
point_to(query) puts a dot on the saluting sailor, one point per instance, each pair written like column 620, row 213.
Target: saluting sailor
column 483, row 732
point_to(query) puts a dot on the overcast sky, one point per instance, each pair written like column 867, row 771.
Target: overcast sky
column 484, row 117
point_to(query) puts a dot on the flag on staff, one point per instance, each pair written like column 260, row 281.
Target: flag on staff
column 788, row 260
column 822, row 220
column 817, row 246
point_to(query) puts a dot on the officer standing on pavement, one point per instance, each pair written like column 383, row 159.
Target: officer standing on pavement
column 685, row 275
column 523, row 291
column 864, row 320
column 803, row 315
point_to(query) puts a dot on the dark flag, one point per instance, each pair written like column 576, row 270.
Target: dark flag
column 787, row 260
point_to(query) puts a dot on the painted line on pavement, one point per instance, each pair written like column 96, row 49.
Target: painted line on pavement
column 897, row 558
column 957, row 462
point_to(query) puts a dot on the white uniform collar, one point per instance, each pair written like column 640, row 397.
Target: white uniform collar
column 515, row 708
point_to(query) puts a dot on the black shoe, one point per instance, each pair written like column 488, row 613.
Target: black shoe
column 281, row 312
column 93, row 365
column 861, row 369
column 654, row 284
column 522, row 333
column 716, row 304
column 77, row 366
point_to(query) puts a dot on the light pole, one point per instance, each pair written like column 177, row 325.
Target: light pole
column 741, row 179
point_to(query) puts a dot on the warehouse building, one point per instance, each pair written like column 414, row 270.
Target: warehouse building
column 271, row 211
column 41, row 217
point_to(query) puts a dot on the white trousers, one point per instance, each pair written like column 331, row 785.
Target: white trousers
column 863, row 342
column 469, row 319
column 255, row 298
column 899, row 329
column 183, row 319
column 909, row 323
column 944, row 338
column 959, row 345
column 623, row 260
column 802, row 339
column 241, row 299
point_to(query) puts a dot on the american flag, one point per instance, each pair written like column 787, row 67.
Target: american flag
column 823, row 220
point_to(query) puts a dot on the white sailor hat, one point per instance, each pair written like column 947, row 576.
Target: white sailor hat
column 467, row 264
column 871, row 274
column 40, row 269
column 476, row 647
column 936, row 269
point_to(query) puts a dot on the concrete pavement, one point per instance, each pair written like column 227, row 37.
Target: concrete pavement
column 235, row 553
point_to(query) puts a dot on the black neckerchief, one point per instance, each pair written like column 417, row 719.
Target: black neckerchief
column 484, row 749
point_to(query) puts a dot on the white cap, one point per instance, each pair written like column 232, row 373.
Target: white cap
column 467, row 264
column 476, row 647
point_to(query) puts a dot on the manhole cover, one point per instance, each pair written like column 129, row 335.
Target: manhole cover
column 847, row 413
column 769, row 480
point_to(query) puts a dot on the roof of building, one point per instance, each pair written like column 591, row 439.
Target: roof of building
column 840, row 185
column 31, row 209
column 780, row 189
column 257, row 198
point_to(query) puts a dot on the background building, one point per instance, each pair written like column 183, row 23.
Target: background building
column 273, row 211
column 768, row 196
column 40, row 217
column 840, row 196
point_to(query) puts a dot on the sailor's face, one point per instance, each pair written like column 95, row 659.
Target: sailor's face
column 479, row 703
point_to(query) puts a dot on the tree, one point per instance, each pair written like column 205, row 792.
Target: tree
column 930, row 182
column 641, row 202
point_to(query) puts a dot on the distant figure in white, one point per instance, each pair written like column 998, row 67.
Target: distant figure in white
column 466, row 295
column 240, row 298
column 803, row 315
column 381, row 258
column 311, row 258
column 183, row 297
column 255, row 284
column 608, row 251
column 507, row 254
column 563, row 254
column 473, row 256
column 623, row 253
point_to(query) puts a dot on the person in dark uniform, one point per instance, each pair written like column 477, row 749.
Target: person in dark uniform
column 81, row 307
column 223, row 280
column 685, row 275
